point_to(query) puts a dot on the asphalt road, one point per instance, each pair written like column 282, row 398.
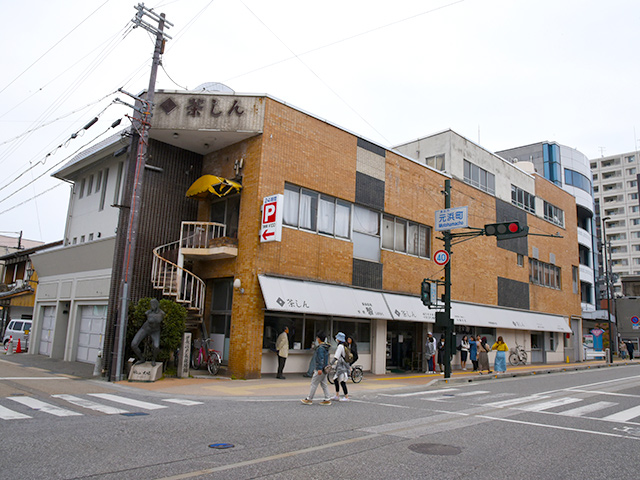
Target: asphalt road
column 583, row 424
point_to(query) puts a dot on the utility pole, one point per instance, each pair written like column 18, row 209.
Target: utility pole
column 447, row 320
column 141, row 123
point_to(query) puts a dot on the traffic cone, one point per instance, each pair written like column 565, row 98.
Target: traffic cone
column 10, row 346
column 18, row 349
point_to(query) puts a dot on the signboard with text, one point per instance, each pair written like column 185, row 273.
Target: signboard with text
column 450, row 218
column 271, row 230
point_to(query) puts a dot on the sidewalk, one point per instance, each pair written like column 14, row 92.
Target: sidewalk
column 202, row 384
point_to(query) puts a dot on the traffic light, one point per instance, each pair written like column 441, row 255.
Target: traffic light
column 425, row 293
column 506, row 230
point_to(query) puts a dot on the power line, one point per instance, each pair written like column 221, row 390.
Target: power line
column 33, row 198
column 53, row 46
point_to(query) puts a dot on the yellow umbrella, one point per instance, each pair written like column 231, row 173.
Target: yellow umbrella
column 207, row 184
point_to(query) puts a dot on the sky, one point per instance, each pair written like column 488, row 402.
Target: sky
column 503, row 73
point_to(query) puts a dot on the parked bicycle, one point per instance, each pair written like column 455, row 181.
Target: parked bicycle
column 206, row 355
column 356, row 374
column 517, row 356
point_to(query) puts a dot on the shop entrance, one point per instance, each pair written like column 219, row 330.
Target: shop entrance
column 404, row 346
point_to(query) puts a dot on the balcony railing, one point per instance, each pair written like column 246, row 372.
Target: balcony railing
column 207, row 240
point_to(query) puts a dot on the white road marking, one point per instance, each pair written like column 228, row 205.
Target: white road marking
column 516, row 401
column 84, row 403
column 624, row 415
column 590, row 408
column 36, row 404
column 182, row 401
column 128, row 401
column 557, row 402
column 6, row 414
column 472, row 393
column 413, row 394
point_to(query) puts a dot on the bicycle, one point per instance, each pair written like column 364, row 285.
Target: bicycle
column 206, row 355
column 517, row 356
column 356, row 374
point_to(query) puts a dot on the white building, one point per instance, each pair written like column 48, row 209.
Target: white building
column 615, row 186
column 70, row 310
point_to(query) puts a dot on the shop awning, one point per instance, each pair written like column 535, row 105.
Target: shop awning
column 211, row 184
column 299, row 296
column 485, row 316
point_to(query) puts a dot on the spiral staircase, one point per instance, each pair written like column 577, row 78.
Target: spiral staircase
column 204, row 241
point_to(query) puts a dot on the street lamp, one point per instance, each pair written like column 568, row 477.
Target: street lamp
column 606, row 279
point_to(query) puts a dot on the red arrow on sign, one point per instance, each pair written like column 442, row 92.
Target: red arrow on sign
column 266, row 234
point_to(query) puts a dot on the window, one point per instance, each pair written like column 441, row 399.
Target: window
column 479, row 177
column 574, row 278
column 523, row 199
column 436, row 161
column 544, row 274
column 633, row 196
column 89, row 185
column 98, row 181
column 116, row 194
column 75, row 240
column 90, row 236
column 631, row 171
column 104, row 189
column 404, row 236
column 552, row 341
column 82, row 184
column 82, row 239
column 577, row 180
column 316, row 212
column 630, row 159
column 520, row 260
column 553, row 214
column 632, row 184
column 366, row 233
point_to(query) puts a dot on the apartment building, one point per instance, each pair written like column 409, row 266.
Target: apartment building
column 615, row 187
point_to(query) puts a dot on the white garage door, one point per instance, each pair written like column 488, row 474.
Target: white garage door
column 46, row 335
column 93, row 319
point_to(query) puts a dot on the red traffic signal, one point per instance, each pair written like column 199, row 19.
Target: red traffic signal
column 505, row 230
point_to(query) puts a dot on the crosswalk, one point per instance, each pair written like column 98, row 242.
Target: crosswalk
column 568, row 403
column 66, row 405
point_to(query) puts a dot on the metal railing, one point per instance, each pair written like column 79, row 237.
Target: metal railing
column 201, row 234
column 175, row 281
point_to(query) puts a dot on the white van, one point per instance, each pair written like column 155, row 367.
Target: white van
column 17, row 329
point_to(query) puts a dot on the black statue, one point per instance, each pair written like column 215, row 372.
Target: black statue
column 150, row 328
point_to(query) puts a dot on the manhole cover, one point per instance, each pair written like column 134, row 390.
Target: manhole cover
column 435, row 449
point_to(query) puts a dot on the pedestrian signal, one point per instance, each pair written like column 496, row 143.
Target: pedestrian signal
column 425, row 293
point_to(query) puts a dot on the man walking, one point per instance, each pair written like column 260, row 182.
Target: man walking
column 282, row 346
column 321, row 360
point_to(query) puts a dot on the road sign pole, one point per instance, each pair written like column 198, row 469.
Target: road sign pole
column 448, row 329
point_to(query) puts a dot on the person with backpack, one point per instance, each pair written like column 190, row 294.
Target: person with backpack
column 341, row 359
column 321, row 361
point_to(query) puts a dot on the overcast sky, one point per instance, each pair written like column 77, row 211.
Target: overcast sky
column 502, row 73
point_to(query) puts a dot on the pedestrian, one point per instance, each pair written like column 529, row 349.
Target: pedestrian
column 312, row 361
column 441, row 355
column 353, row 347
column 473, row 353
column 320, row 361
column 282, row 347
column 622, row 350
column 483, row 357
column 431, row 349
column 464, row 352
column 342, row 369
column 501, row 355
column 630, row 349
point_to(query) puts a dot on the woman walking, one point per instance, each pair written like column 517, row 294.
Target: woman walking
column 501, row 355
column 473, row 353
column 483, row 357
column 464, row 352
column 441, row 355
column 342, row 369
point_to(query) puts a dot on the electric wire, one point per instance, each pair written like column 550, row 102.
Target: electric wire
column 55, row 165
column 53, row 46
column 32, row 198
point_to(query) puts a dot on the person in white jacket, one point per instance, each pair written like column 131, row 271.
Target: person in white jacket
column 342, row 369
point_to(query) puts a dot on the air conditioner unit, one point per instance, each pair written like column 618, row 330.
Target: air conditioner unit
column 19, row 283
